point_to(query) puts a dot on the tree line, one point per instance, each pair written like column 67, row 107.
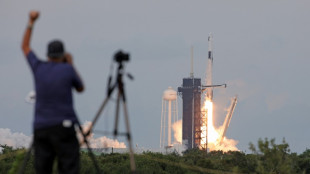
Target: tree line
column 266, row 157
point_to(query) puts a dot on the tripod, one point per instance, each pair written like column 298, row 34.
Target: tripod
column 121, row 97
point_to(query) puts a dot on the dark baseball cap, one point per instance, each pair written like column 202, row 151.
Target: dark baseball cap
column 55, row 49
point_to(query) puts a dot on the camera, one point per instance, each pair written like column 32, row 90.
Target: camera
column 120, row 57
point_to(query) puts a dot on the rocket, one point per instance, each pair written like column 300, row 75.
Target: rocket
column 209, row 84
column 209, row 68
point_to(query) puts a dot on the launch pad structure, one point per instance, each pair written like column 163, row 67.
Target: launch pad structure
column 191, row 95
column 195, row 118
column 195, row 122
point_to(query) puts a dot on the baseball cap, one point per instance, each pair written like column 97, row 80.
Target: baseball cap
column 55, row 49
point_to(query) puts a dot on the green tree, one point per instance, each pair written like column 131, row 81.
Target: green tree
column 273, row 158
column 304, row 161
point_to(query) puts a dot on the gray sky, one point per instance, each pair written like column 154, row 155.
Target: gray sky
column 261, row 52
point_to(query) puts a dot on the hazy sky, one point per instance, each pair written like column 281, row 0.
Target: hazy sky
column 261, row 50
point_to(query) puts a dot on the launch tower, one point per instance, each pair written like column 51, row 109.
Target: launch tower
column 195, row 121
column 191, row 95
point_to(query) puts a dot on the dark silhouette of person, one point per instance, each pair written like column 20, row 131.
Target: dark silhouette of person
column 54, row 116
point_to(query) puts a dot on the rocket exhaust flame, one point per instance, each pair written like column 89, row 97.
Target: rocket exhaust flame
column 213, row 134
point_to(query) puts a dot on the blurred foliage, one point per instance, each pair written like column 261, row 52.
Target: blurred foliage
column 267, row 157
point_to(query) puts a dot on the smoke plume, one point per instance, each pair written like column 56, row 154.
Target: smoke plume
column 225, row 146
column 20, row 140
column 177, row 129
column 101, row 142
column 15, row 140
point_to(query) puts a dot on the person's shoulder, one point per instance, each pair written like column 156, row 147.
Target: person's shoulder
column 31, row 54
column 33, row 58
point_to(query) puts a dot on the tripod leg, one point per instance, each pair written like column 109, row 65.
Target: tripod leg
column 117, row 114
column 121, row 93
column 92, row 156
column 110, row 91
column 97, row 115
column 23, row 167
column 131, row 153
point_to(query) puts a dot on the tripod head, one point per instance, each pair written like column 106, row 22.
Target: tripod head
column 120, row 57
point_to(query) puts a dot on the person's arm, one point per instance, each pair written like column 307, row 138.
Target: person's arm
column 81, row 88
column 33, row 16
column 68, row 59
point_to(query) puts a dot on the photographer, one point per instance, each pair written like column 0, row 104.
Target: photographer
column 54, row 116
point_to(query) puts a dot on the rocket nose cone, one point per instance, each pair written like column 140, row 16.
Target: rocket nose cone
column 210, row 37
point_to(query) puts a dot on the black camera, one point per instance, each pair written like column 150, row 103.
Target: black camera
column 120, row 57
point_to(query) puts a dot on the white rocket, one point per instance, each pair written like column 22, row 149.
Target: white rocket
column 209, row 86
column 209, row 68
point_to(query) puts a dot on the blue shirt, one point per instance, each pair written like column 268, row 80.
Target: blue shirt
column 53, row 85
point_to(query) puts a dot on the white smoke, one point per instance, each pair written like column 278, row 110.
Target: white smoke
column 20, row 140
column 225, row 146
column 101, row 142
column 177, row 129
column 15, row 140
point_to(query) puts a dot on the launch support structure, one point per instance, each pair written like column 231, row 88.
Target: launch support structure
column 191, row 92
column 191, row 95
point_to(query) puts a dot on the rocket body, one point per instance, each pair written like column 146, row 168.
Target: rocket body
column 209, row 68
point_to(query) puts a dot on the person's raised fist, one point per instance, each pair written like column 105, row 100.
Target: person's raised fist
column 34, row 15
